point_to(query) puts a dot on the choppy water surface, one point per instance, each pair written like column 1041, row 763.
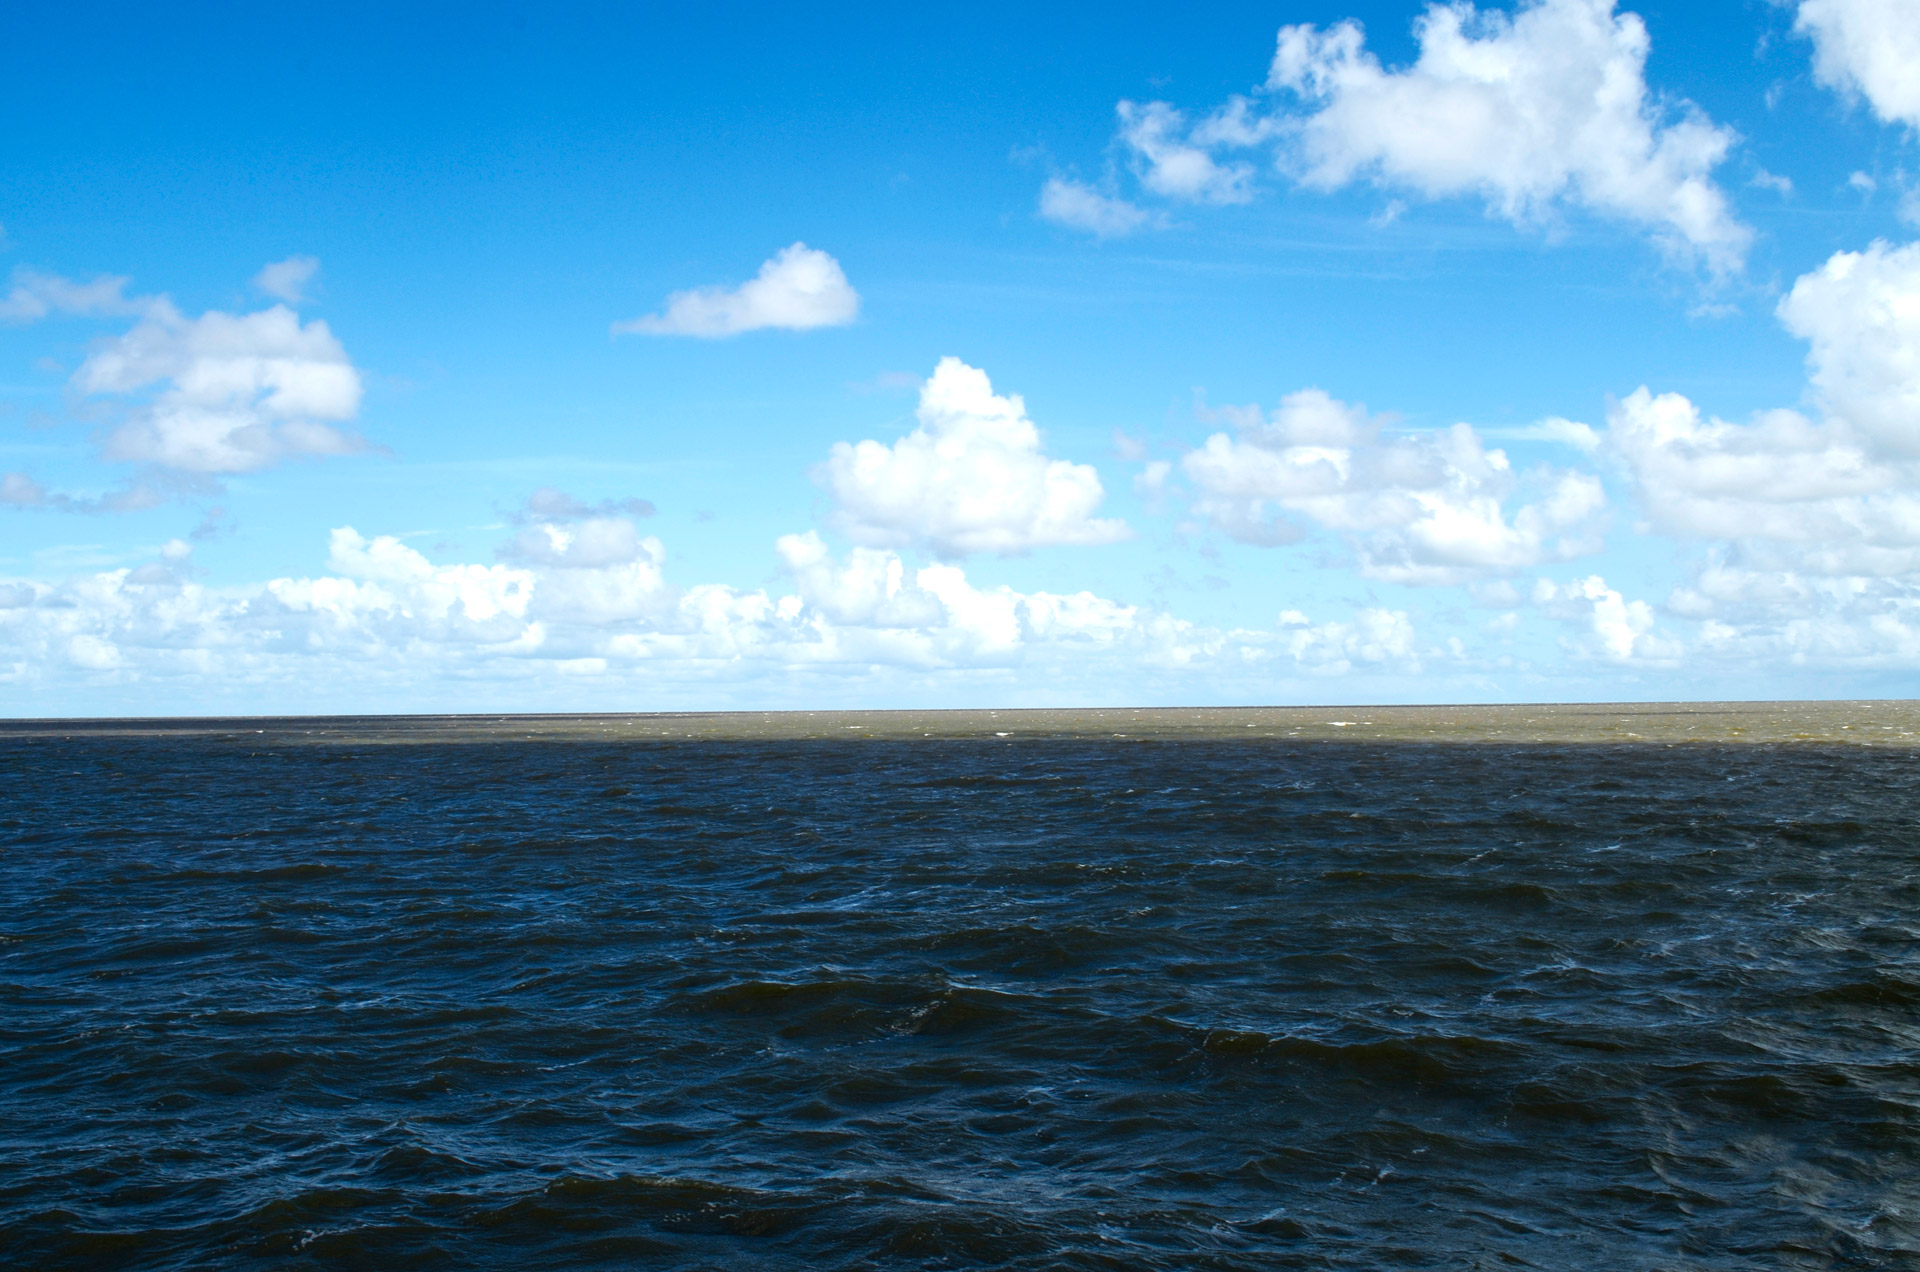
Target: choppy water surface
column 380, row 995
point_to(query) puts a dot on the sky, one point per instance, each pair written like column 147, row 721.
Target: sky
column 648, row 357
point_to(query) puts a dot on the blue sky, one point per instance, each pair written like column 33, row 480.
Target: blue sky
column 360, row 362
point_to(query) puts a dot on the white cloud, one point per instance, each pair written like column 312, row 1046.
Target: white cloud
column 1811, row 526
column 1081, row 207
column 596, row 604
column 799, row 289
column 1424, row 509
column 1374, row 636
column 485, row 603
column 871, row 588
column 239, row 391
column 1171, row 161
column 220, row 393
column 1614, row 628
column 872, row 607
column 971, row 477
column 34, row 296
column 287, row 280
column 1870, row 47
column 592, row 599
column 1548, row 106
column 1791, row 490
column 593, row 543
column 1783, row 617
column 1538, row 111
column 1838, row 497
column 1860, row 314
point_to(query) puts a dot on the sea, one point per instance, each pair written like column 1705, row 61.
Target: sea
column 1598, row 987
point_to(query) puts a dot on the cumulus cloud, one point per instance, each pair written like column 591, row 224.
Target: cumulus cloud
column 1423, row 509
column 287, row 280
column 1810, row 523
column 1789, row 489
column 235, row 392
column 1837, row 496
column 971, row 477
column 383, row 572
column 870, row 588
column 221, row 393
column 1535, row 112
column 1080, row 206
column 587, row 597
column 1860, row 315
column 1612, row 627
column 873, row 603
column 598, row 570
column 799, row 289
column 1775, row 617
column 1868, row 47
column 34, row 296
column 1374, row 636
column 592, row 543
column 1545, row 107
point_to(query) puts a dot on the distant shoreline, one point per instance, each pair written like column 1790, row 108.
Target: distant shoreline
column 1882, row 723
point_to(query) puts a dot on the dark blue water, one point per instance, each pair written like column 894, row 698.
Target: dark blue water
column 266, row 1002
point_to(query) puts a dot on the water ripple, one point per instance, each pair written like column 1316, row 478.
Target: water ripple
column 1073, row 1003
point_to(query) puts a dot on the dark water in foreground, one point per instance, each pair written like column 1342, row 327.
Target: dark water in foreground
column 1031, row 1003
